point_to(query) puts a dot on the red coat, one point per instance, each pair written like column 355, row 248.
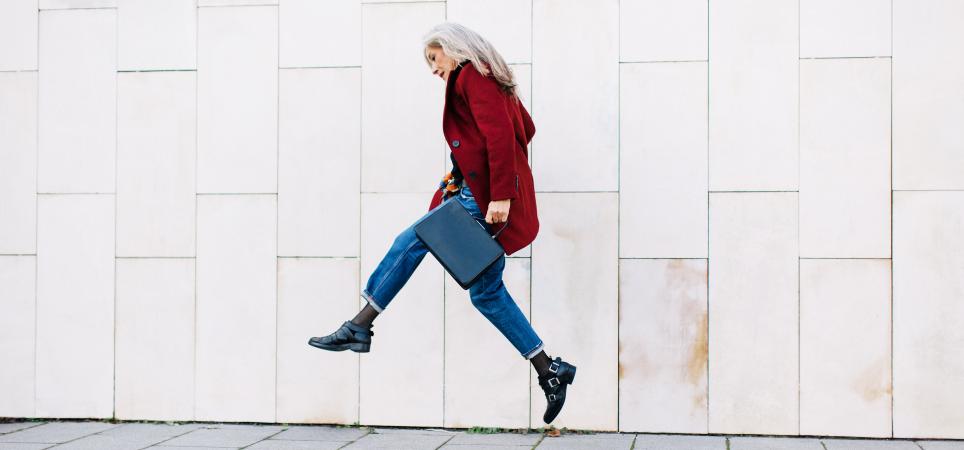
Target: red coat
column 488, row 132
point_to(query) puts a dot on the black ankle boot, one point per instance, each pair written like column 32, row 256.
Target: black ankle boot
column 553, row 384
column 349, row 337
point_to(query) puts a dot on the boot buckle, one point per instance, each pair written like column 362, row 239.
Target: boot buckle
column 549, row 381
column 556, row 369
column 552, row 397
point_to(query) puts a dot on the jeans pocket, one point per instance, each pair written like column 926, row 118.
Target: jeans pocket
column 465, row 191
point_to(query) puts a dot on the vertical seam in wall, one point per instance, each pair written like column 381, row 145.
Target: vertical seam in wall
column 361, row 135
column 619, row 151
column 707, row 216
column 799, row 307
column 445, row 7
column 197, row 14
column 36, row 224
column 891, row 218
column 277, row 197
column 532, row 105
column 116, row 151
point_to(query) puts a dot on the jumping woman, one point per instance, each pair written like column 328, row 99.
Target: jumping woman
column 488, row 131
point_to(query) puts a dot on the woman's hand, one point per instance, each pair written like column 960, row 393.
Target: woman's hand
column 498, row 211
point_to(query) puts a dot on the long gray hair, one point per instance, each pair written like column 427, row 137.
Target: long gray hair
column 461, row 43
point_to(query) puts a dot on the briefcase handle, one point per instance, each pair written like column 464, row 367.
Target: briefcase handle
column 504, row 225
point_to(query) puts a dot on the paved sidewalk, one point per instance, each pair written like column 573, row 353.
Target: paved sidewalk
column 95, row 435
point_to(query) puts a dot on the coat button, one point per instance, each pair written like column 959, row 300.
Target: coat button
column 455, row 143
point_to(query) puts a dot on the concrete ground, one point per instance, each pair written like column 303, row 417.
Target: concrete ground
column 96, row 435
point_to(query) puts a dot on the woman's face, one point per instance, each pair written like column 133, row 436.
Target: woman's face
column 441, row 64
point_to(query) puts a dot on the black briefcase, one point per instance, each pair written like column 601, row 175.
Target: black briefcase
column 459, row 241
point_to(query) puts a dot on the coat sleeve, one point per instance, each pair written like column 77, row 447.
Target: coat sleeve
column 488, row 106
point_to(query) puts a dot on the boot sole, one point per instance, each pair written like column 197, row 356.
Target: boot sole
column 357, row 347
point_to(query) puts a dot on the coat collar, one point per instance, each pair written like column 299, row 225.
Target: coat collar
column 453, row 75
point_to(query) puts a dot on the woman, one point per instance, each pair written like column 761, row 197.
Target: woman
column 488, row 131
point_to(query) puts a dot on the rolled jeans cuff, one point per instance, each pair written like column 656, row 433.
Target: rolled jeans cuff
column 371, row 300
column 534, row 351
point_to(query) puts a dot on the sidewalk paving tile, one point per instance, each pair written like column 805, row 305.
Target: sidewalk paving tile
column 869, row 444
column 56, row 432
column 485, row 447
column 399, row 441
column 10, row 427
column 101, row 442
column 431, row 431
column 608, row 441
column 496, row 439
column 224, row 435
column 99, row 435
column 19, row 446
column 941, row 445
column 678, row 442
column 278, row 444
column 774, row 443
column 159, row 431
column 128, row 436
column 161, row 447
column 321, row 433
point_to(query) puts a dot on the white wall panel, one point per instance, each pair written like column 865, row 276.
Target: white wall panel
column 663, row 345
column 928, row 94
column 17, row 340
column 575, row 303
column 77, row 101
column 236, row 306
column 507, row 24
column 317, row 33
column 72, row 4
column 236, row 2
column 831, row 28
column 75, row 305
column 315, row 296
column 403, row 101
column 401, row 378
column 753, row 119
column 575, row 105
column 155, row 35
column 319, row 146
column 662, row 160
column 156, row 156
column 154, row 377
column 498, row 396
column 237, row 100
column 845, row 158
column 928, row 288
column 18, row 32
column 662, row 30
column 845, row 358
column 753, row 265
column 18, row 162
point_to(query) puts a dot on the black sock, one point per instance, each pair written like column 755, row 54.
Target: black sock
column 365, row 317
column 541, row 363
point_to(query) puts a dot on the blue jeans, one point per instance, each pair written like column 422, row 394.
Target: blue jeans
column 488, row 294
